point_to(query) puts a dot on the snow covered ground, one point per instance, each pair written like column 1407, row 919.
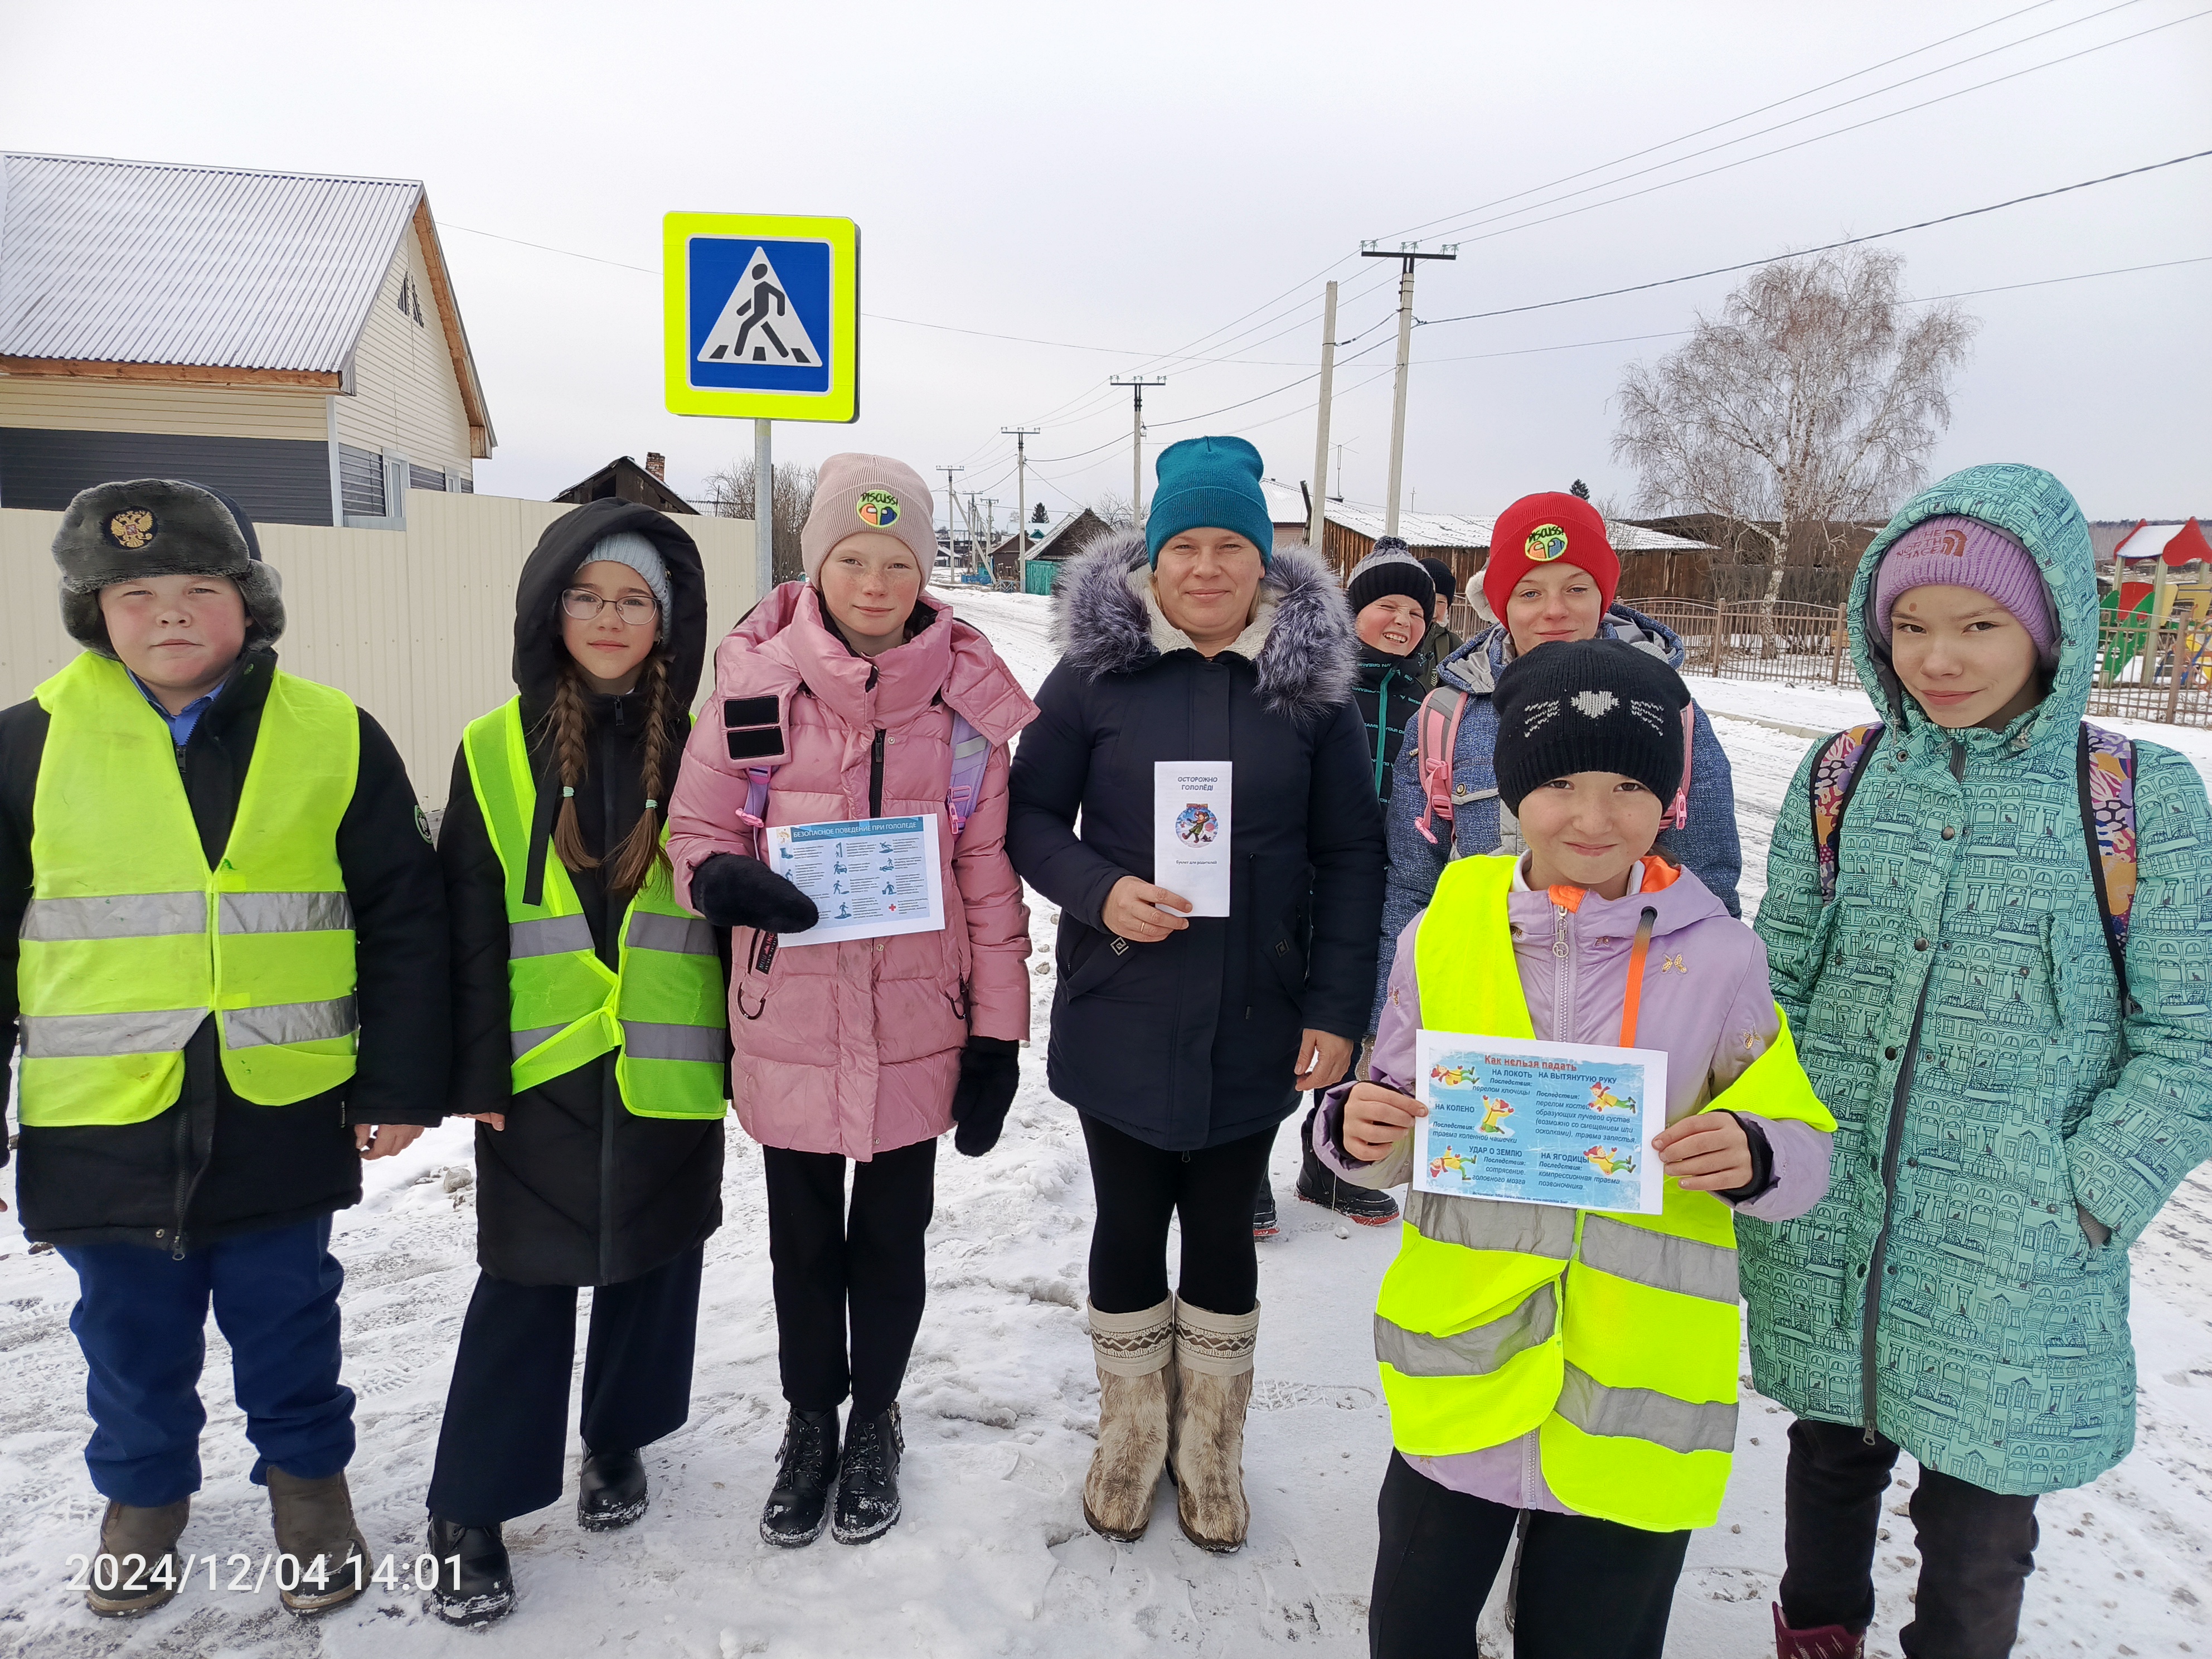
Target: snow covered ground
column 993, row 1557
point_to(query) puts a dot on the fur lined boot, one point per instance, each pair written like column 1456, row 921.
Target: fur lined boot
column 1135, row 1399
column 1213, row 1379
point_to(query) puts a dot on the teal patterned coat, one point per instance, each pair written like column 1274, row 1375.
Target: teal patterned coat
column 1946, row 1291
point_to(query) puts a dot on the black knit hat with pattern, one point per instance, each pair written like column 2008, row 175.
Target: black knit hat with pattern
column 1588, row 705
column 1389, row 569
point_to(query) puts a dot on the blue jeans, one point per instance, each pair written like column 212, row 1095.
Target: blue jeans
column 140, row 1318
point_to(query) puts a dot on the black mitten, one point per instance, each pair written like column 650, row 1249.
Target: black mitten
column 732, row 890
column 989, row 1069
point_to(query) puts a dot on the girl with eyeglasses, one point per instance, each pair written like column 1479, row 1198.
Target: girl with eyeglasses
column 590, row 1046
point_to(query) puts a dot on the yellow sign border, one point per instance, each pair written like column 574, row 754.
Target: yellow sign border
column 841, row 402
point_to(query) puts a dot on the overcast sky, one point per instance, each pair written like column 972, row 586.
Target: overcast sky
column 1164, row 187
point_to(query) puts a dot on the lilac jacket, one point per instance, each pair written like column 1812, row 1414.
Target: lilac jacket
column 1706, row 1002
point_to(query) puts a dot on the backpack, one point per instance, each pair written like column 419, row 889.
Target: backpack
column 1436, row 731
column 971, row 754
column 2105, row 776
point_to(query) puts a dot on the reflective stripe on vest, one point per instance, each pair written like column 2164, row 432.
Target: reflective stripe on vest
column 1614, row 1336
column 664, row 1010
column 112, row 983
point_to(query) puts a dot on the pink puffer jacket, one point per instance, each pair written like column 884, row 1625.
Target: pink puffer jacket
column 855, row 1048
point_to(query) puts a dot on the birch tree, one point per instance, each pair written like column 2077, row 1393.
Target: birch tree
column 1809, row 405
column 730, row 490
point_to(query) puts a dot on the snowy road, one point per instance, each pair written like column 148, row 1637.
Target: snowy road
column 993, row 1557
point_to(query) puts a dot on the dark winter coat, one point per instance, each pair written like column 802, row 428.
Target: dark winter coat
column 1192, row 1041
column 1389, row 695
column 576, row 1190
column 213, row 1165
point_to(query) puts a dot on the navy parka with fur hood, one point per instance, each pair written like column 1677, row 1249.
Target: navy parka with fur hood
column 1192, row 1041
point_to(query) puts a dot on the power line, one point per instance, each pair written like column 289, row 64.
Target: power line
column 1800, row 143
column 1464, row 221
column 1699, row 132
column 1825, row 247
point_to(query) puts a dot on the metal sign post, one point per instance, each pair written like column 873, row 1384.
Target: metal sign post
column 761, row 321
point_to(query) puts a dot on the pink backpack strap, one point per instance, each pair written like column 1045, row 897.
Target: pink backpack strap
column 756, row 798
column 1435, row 733
column 971, row 756
column 1679, row 813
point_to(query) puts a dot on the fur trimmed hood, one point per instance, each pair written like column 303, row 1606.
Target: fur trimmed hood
column 121, row 531
column 1301, row 642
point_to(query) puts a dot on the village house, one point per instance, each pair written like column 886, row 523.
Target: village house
column 291, row 339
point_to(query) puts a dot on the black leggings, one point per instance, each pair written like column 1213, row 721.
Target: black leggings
column 1139, row 1188
column 1588, row 1589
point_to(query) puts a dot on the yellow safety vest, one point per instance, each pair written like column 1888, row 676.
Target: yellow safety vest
column 665, row 1009
column 1614, row 1336
column 130, row 940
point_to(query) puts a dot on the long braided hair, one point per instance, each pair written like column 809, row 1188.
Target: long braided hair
column 630, row 865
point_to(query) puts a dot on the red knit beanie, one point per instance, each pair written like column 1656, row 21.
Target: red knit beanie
column 1552, row 528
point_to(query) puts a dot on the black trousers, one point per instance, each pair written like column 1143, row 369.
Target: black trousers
column 1977, row 1547
column 501, row 1446
column 831, row 1264
column 1139, row 1188
column 1588, row 1589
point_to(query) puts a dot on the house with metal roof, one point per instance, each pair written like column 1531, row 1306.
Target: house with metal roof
column 291, row 339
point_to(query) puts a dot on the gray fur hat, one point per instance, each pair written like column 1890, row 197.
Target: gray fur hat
column 116, row 532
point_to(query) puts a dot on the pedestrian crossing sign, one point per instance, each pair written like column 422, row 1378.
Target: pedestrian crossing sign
column 761, row 316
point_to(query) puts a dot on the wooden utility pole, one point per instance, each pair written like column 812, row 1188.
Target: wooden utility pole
column 951, row 505
column 1020, row 435
column 1408, row 253
column 1317, row 509
column 1137, row 384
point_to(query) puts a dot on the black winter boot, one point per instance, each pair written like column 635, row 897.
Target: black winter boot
column 1318, row 1184
column 805, row 1466
column 611, row 1491
column 868, row 1478
column 476, row 1584
column 1264, row 1224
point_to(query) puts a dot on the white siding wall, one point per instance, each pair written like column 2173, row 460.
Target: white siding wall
column 85, row 405
column 406, row 397
column 416, row 626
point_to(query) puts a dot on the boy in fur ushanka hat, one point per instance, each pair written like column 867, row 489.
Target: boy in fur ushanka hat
column 230, row 988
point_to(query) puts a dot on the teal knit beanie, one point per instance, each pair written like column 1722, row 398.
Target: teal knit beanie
column 1210, row 483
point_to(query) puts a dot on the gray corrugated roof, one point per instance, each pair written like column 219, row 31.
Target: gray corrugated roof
column 146, row 262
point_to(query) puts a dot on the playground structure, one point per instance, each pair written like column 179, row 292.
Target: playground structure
column 2154, row 640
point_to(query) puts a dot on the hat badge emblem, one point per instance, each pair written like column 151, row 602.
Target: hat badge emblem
column 132, row 528
column 878, row 507
column 1545, row 543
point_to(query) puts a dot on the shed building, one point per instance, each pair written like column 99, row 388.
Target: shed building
column 289, row 338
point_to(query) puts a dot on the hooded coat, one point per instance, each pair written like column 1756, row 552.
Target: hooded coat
column 1192, row 1041
column 854, row 1047
column 1706, row 846
column 1956, row 1008
column 576, row 1190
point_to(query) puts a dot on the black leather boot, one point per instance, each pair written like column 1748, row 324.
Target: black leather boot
column 805, row 1467
column 868, row 1478
column 476, row 1584
column 611, row 1491
column 1318, row 1184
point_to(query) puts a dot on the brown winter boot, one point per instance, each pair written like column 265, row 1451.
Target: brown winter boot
column 1132, row 1352
column 1213, row 1377
column 137, row 1561
column 315, row 1527
column 1828, row 1641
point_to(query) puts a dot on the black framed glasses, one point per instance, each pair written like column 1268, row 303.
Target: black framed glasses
column 581, row 604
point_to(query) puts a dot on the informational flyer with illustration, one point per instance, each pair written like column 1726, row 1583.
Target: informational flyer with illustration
column 1190, row 832
column 870, row 878
column 1532, row 1122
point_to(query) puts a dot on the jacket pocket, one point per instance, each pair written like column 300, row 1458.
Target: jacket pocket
column 1096, row 958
